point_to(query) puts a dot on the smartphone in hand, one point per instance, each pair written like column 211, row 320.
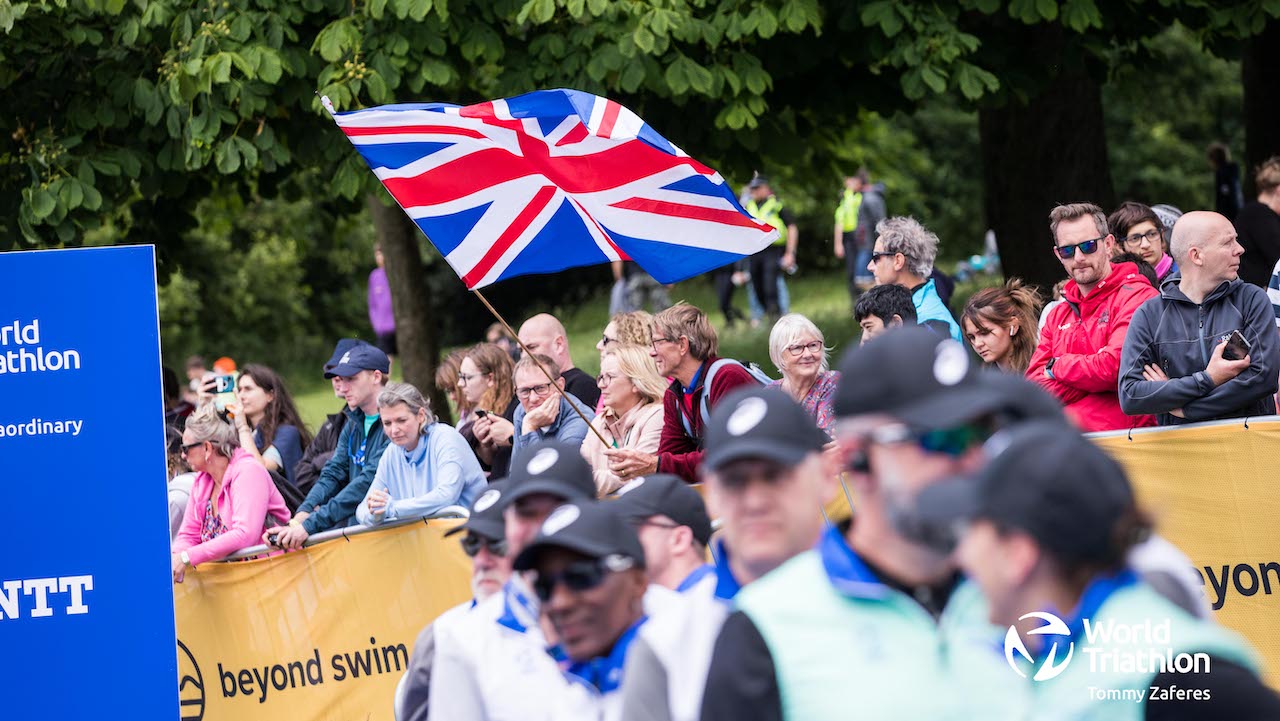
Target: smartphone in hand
column 1237, row 347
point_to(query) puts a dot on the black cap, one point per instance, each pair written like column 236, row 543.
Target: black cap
column 586, row 527
column 342, row 347
column 550, row 467
column 913, row 375
column 359, row 357
column 486, row 514
column 1043, row 478
column 760, row 423
column 664, row 495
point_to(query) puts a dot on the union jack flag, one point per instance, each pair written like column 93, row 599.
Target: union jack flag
column 550, row 180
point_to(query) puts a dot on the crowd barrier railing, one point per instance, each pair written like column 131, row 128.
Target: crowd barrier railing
column 349, row 531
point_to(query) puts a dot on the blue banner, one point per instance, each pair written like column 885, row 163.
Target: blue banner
column 86, row 603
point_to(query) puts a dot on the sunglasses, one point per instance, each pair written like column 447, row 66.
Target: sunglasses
column 954, row 442
column 472, row 543
column 878, row 255
column 188, row 446
column 1089, row 247
column 580, row 576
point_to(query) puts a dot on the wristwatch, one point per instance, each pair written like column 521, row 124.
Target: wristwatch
column 186, row 560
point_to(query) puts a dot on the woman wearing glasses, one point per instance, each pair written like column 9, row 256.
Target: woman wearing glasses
column 484, row 377
column 798, row 349
column 631, row 391
column 1138, row 230
column 233, row 499
column 624, row 329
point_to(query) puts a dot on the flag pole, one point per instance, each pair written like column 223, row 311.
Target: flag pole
column 545, row 372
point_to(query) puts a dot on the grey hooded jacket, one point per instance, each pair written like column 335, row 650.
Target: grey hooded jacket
column 1179, row 336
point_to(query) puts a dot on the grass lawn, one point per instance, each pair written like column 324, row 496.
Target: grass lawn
column 822, row 297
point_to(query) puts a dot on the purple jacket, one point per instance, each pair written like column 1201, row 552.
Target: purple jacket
column 380, row 315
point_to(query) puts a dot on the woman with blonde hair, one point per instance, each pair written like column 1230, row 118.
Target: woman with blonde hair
column 632, row 328
column 486, row 379
column 1002, row 323
column 233, row 499
column 631, row 391
column 799, row 351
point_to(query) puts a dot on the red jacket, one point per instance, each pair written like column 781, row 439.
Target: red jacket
column 1086, row 335
column 677, row 452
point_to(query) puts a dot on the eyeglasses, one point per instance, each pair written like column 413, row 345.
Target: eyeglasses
column 656, row 341
column 464, row 379
column 954, row 442
column 188, row 446
column 1089, row 247
column 797, row 350
column 604, row 379
column 580, row 576
column 876, row 256
column 540, row 390
column 472, row 543
column 607, row 341
column 1151, row 236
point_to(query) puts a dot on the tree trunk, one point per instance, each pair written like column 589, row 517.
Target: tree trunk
column 411, row 301
column 1038, row 152
column 1260, row 74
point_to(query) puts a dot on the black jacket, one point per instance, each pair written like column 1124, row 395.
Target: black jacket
column 1179, row 336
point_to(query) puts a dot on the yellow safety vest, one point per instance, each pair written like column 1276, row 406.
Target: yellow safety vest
column 847, row 211
column 770, row 212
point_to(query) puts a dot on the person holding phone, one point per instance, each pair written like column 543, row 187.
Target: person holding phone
column 1206, row 349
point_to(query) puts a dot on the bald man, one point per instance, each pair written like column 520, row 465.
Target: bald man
column 544, row 334
column 1181, row 358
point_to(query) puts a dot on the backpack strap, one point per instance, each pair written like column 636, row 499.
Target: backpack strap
column 704, row 403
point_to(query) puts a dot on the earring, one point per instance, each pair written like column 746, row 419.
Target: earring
column 1013, row 331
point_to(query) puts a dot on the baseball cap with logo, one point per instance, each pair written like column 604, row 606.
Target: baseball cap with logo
column 359, row 357
column 585, row 527
column 486, row 514
column 550, row 467
column 926, row 382
column 1043, row 478
column 760, row 423
column 342, row 347
column 664, row 495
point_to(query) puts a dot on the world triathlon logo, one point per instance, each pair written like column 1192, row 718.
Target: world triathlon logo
column 1056, row 632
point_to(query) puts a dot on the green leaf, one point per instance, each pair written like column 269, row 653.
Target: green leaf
column 269, row 67
column 114, row 7
column 418, row 9
column 676, row 78
column 71, row 194
column 766, row 22
column 128, row 31
column 643, row 39
column 377, row 8
column 1048, row 9
column 106, row 167
column 247, row 152
column 227, row 157
column 934, row 78
column 42, row 204
column 632, row 76
column 92, row 198
column 700, row 79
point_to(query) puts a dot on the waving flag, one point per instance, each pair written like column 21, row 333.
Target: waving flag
column 550, row 180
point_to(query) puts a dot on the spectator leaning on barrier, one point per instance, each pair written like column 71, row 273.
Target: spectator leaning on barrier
column 1029, row 554
column 684, row 347
column 321, row 448
column 767, row 479
column 849, row 619
column 1175, row 356
column 232, row 499
column 904, row 255
column 882, row 308
column 427, row 467
column 671, row 521
column 544, row 413
column 589, row 574
column 799, row 351
column 544, row 334
column 631, row 393
column 1078, row 358
column 485, row 543
column 493, row 664
column 345, row 481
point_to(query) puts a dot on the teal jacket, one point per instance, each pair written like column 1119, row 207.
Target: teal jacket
column 345, row 480
column 931, row 312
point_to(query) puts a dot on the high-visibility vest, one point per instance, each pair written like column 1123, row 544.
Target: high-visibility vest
column 770, row 212
column 847, row 211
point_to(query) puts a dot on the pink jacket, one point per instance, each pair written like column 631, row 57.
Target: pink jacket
column 247, row 498
column 638, row 429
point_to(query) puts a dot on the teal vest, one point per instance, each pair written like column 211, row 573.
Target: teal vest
column 1069, row 695
column 862, row 650
column 770, row 212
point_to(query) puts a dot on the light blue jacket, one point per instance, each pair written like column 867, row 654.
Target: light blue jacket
column 440, row 471
column 930, row 310
column 568, row 427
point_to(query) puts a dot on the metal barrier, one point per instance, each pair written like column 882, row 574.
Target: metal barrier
column 1242, row 422
column 347, row 532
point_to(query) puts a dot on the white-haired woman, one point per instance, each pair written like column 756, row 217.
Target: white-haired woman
column 800, row 353
column 428, row 466
column 233, row 499
column 631, row 391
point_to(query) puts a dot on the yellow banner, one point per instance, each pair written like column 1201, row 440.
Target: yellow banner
column 1212, row 490
column 319, row 635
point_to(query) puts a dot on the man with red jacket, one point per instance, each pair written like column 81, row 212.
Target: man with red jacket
column 684, row 348
column 1078, row 358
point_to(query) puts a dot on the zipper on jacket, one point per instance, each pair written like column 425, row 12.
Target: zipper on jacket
column 1204, row 354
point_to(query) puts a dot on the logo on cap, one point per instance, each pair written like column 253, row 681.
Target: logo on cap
column 346, row 358
column 950, row 363
column 629, row 487
column 559, row 519
column 747, row 415
column 1049, row 668
column 542, row 460
column 487, row 499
